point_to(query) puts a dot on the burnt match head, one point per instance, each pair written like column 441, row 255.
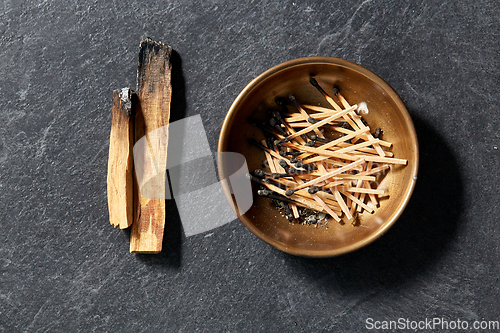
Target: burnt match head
column 294, row 100
column 276, row 115
column 335, row 90
column 313, row 189
column 316, row 85
column 282, row 163
column 310, row 143
column 289, row 192
column 264, row 193
column 282, row 153
column 258, row 173
column 311, row 120
column 280, row 101
column 313, row 137
column 257, row 144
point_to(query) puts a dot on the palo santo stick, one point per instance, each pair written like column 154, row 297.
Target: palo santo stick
column 154, row 92
column 120, row 163
column 318, row 124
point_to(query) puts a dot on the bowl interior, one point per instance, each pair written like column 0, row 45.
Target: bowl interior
column 357, row 84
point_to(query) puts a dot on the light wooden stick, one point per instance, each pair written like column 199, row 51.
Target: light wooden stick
column 359, row 122
column 365, row 190
column 319, row 124
column 357, row 201
column 154, row 92
column 343, row 205
column 120, row 162
column 330, row 174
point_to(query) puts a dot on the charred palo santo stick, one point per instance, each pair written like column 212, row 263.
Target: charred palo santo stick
column 120, row 163
column 154, row 92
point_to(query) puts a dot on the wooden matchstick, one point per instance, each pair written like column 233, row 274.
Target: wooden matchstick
column 359, row 122
column 319, row 123
column 366, row 190
column 329, row 175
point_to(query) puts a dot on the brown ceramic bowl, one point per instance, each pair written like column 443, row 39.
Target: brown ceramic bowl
column 357, row 84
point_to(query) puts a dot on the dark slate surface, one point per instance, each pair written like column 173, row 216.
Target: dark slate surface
column 63, row 268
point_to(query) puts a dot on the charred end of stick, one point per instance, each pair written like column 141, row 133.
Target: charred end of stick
column 258, row 173
column 127, row 98
column 257, row 144
column 148, row 50
column 377, row 133
column 335, row 90
column 310, row 143
column 283, row 163
column 317, row 86
column 313, row 189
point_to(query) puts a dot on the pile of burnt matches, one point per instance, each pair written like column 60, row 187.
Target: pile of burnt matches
column 324, row 159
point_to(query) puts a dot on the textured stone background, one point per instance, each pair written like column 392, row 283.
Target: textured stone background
column 63, row 268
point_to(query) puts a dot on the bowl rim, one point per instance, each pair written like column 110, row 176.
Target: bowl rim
column 329, row 61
